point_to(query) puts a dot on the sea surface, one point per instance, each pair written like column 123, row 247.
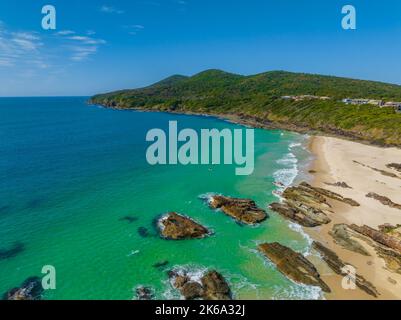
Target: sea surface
column 69, row 173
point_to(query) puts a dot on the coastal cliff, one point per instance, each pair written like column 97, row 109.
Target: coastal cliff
column 262, row 100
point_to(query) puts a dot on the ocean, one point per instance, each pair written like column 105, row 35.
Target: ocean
column 71, row 172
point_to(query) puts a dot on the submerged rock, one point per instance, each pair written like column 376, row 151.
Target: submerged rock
column 143, row 232
column 129, row 219
column 335, row 263
column 16, row 249
column 30, row 289
column 210, row 286
column 384, row 200
column 144, row 293
column 342, row 237
column 242, row 210
column 293, row 265
column 177, row 227
column 160, row 264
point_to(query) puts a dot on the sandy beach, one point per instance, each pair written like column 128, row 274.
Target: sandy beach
column 358, row 165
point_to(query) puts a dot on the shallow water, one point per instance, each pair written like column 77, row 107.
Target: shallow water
column 70, row 173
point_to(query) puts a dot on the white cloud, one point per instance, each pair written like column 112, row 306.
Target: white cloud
column 65, row 32
column 18, row 47
column 134, row 28
column 83, row 47
column 109, row 9
column 81, row 52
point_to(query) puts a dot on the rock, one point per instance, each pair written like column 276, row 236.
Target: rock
column 342, row 237
column 192, row 290
column 129, row 219
column 383, row 172
column 293, row 265
column 339, row 184
column 15, row 249
column 395, row 166
column 180, row 281
column 306, row 195
column 211, row 286
column 391, row 280
column 303, row 215
column 334, row 262
column 394, row 231
column 144, row 293
column 304, row 206
column 160, row 264
column 332, row 195
column 308, row 205
column 143, row 232
column 31, row 289
column 177, row 227
column 378, row 236
column 384, row 200
column 243, row 210
column 390, row 257
column 215, row 287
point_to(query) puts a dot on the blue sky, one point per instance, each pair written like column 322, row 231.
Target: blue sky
column 103, row 45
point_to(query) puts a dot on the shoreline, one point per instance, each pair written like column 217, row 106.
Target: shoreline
column 323, row 169
column 333, row 162
column 259, row 123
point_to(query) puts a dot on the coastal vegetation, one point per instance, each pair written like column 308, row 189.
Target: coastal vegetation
column 258, row 100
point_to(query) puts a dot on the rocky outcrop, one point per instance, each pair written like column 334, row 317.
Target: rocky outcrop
column 386, row 242
column 378, row 236
column 332, row 195
column 215, row 287
column 293, row 265
column 144, row 293
column 339, row 184
column 307, row 205
column 301, row 214
column 337, row 265
column 383, row 172
column 211, row 285
column 395, row 166
column 394, row 231
column 342, row 237
column 30, row 289
column 177, row 227
column 384, row 200
column 390, row 257
column 242, row 210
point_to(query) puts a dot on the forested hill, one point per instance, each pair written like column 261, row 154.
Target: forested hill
column 258, row 100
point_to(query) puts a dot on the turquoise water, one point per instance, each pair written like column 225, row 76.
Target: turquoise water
column 69, row 172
